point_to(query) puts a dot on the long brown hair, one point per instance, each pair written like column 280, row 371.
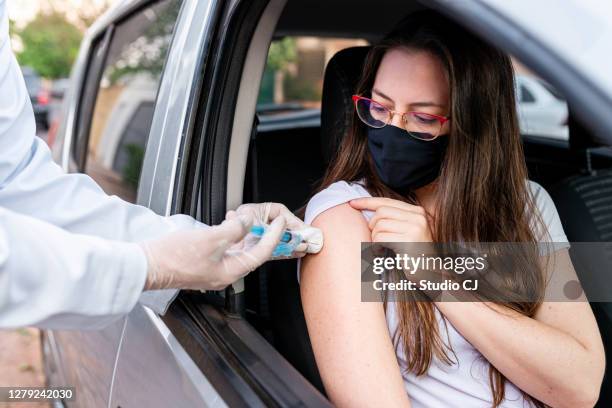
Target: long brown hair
column 483, row 177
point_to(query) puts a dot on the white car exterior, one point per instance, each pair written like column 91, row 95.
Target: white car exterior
column 540, row 112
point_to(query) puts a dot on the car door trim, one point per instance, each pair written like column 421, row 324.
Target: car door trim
column 171, row 119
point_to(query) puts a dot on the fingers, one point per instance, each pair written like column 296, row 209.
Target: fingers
column 232, row 230
column 387, row 237
column 374, row 203
column 393, row 226
column 395, row 220
column 395, row 213
column 293, row 222
column 243, row 262
column 270, row 211
column 264, row 248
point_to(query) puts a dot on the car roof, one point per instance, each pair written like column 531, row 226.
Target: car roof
column 358, row 18
column 580, row 32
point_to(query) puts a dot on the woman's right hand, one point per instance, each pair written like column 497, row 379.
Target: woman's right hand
column 395, row 220
column 406, row 230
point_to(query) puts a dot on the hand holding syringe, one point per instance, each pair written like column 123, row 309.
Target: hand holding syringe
column 297, row 240
column 293, row 244
column 212, row 258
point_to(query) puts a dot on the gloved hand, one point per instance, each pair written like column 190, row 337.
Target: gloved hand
column 202, row 259
column 264, row 213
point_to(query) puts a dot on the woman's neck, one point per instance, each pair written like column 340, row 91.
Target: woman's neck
column 426, row 197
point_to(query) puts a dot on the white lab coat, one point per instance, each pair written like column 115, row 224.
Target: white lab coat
column 49, row 278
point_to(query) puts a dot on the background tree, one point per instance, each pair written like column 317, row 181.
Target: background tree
column 89, row 11
column 11, row 27
column 281, row 54
column 50, row 44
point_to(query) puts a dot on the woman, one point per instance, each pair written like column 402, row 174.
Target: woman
column 435, row 154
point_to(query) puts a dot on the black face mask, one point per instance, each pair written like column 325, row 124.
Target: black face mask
column 403, row 162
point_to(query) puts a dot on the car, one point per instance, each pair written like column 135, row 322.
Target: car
column 162, row 111
column 39, row 96
column 58, row 90
column 542, row 111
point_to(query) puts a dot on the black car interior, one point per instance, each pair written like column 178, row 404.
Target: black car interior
column 584, row 203
column 285, row 165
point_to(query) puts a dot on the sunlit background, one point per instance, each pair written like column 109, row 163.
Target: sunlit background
column 24, row 11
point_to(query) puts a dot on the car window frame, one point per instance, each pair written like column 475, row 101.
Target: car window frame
column 88, row 95
column 525, row 94
column 203, row 323
column 89, row 88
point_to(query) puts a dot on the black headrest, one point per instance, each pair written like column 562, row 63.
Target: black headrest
column 341, row 76
column 580, row 138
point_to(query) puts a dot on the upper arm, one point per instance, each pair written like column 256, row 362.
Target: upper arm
column 350, row 338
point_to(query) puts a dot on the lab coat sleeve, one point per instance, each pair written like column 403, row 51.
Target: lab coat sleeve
column 32, row 184
column 53, row 279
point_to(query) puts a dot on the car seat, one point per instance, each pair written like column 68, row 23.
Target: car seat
column 584, row 203
column 275, row 175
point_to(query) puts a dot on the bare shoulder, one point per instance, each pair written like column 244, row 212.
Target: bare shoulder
column 344, row 228
column 342, row 221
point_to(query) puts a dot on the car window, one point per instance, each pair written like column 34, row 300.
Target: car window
column 293, row 77
column 32, row 81
column 525, row 96
column 125, row 98
column 90, row 88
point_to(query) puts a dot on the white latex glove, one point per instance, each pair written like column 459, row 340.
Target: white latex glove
column 266, row 212
column 199, row 259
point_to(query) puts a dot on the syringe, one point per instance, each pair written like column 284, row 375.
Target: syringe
column 288, row 242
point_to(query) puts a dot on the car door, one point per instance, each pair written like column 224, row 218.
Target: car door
column 200, row 353
column 85, row 359
column 114, row 114
column 152, row 367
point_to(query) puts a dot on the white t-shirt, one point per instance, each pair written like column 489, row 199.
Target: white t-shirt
column 464, row 383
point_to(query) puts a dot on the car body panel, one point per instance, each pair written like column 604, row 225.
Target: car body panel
column 148, row 343
column 87, row 358
column 154, row 370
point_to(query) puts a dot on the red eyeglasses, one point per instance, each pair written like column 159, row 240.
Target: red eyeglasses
column 420, row 125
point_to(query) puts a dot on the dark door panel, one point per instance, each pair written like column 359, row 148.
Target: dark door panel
column 239, row 362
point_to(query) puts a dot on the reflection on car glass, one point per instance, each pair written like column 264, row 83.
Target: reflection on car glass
column 126, row 98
